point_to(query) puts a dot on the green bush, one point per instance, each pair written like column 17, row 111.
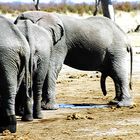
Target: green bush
column 126, row 6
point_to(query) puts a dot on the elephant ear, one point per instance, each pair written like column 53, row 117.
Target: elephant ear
column 18, row 18
column 54, row 25
column 57, row 33
column 21, row 17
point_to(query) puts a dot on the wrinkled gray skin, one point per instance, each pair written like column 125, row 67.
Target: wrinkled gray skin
column 92, row 44
column 14, row 61
column 40, row 56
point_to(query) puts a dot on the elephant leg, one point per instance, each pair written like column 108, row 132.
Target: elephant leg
column 8, row 86
column 38, row 81
column 117, row 91
column 8, row 123
column 26, row 103
column 7, row 115
column 20, row 99
column 125, row 98
column 37, row 96
column 57, row 57
column 120, row 76
column 28, row 113
column 48, row 98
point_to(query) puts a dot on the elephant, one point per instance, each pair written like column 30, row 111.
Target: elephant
column 39, row 60
column 107, row 8
column 14, row 65
column 90, row 44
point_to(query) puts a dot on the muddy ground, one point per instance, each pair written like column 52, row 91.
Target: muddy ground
column 83, row 88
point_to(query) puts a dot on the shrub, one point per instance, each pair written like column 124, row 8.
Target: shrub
column 64, row 7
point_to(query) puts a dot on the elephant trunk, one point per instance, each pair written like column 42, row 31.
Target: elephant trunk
column 103, row 86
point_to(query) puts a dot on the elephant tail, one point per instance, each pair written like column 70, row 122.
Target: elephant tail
column 26, row 76
column 131, row 65
column 30, row 41
column 102, row 82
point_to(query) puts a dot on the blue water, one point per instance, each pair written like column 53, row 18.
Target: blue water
column 84, row 106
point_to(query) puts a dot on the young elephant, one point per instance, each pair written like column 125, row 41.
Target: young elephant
column 40, row 57
column 14, row 61
column 95, row 44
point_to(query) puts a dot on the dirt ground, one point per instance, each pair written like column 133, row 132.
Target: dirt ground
column 83, row 88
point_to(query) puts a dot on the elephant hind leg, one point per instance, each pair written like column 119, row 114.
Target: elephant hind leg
column 8, row 122
column 7, row 109
column 117, row 91
column 120, row 77
column 38, row 82
column 7, row 114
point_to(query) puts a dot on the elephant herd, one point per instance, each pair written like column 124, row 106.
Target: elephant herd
column 34, row 48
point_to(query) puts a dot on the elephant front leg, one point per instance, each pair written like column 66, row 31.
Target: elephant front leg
column 48, row 98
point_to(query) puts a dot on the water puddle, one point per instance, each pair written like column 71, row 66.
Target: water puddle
column 84, row 106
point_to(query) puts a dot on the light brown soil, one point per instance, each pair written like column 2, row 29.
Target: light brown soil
column 78, row 87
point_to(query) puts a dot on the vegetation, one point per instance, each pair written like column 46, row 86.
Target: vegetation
column 64, row 7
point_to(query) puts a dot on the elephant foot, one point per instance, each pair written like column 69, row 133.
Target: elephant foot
column 20, row 111
column 49, row 106
column 27, row 117
column 113, row 102
column 38, row 115
column 8, row 123
column 125, row 103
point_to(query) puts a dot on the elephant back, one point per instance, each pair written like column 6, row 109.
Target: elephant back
column 8, row 33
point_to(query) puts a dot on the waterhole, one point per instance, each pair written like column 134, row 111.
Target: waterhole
column 84, row 106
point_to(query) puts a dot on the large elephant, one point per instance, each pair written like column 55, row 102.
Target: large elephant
column 14, row 62
column 40, row 56
column 92, row 44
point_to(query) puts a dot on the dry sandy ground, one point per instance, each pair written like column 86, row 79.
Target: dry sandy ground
column 83, row 88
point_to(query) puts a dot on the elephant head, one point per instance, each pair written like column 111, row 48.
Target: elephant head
column 48, row 21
